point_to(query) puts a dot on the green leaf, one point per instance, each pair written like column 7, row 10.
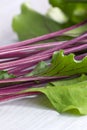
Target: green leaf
column 76, row 11
column 5, row 75
column 39, row 68
column 66, row 96
column 61, row 65
column 69, row 82
column 57, row 15
column 31, row 24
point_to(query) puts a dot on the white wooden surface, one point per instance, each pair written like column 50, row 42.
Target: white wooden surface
column 30, row 113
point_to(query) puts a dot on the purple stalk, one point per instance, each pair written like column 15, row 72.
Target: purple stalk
column 20, row 87
column 76, row 49
column 14, row 96
column 44, row 37
column 28, row 50
column 81, row 56
column 31, row 60
column 17, row 88
column 36, row 57
column 14, row 89
column 31, row 47
column 28, row 56
column 21, row 52
column 18, row 55
column 66, row 51
column 30, row 79
column 68, row 43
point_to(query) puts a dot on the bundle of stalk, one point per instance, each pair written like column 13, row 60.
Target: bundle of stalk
column 18, row 61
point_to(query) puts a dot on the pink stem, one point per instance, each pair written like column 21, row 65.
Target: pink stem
column 15, row 96
column 44, row 37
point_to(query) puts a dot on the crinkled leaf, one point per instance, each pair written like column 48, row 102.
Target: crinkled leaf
column 31, row 24
column 62, row 65
column 39, row 68
column 69, row 95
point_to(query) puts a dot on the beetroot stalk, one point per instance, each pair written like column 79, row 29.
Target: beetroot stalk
column 44, row 37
